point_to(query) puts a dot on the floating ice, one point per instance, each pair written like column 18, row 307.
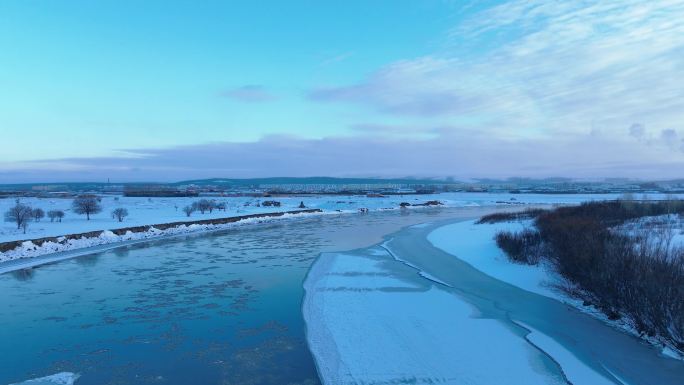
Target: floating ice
column 62, row 378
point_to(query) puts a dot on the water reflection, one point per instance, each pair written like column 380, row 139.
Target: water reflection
column 88, row 260
column 23, row 274
column 121, row 252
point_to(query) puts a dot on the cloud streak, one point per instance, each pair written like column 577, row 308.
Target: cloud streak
column 524, row 88
column 566, row 67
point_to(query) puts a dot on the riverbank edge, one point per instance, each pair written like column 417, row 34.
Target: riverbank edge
column 30, row 248
column 557, row 282
column 10, row 245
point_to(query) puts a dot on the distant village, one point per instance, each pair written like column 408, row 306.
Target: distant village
column 332, row 186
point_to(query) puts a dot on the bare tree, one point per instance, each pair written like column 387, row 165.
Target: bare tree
column 55, row 214
column 86, row 204
column 119, row 214
column 38, row 214
column 20, row 214
column 203, row 205
column 188, row 210
column 672, row 202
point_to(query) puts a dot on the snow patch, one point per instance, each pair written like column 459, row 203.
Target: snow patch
column 62, row 378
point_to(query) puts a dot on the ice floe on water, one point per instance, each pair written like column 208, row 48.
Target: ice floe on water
column 373, row 320
column 62, row 378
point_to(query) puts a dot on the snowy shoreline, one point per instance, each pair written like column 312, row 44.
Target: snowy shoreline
column 43, row 246
column 474, row 244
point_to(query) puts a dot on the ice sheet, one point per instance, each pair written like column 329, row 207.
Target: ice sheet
column 403, row 330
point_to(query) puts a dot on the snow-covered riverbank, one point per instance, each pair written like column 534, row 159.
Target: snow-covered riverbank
column 29, row 249
column 406, row 311
column 474, row 244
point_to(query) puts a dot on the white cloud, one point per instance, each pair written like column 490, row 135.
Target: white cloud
column 563, row 67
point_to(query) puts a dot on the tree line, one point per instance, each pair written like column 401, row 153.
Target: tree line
column 22, row 214
column 87, row 204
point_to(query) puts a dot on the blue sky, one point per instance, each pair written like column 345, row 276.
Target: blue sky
column 164, row 90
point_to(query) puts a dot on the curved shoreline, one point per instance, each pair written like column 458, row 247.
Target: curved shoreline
column 579, row 343
column 599, row 350
column 481, row 252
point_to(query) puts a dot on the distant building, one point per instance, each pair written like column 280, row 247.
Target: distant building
column 49, row 187
column 156, row 190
